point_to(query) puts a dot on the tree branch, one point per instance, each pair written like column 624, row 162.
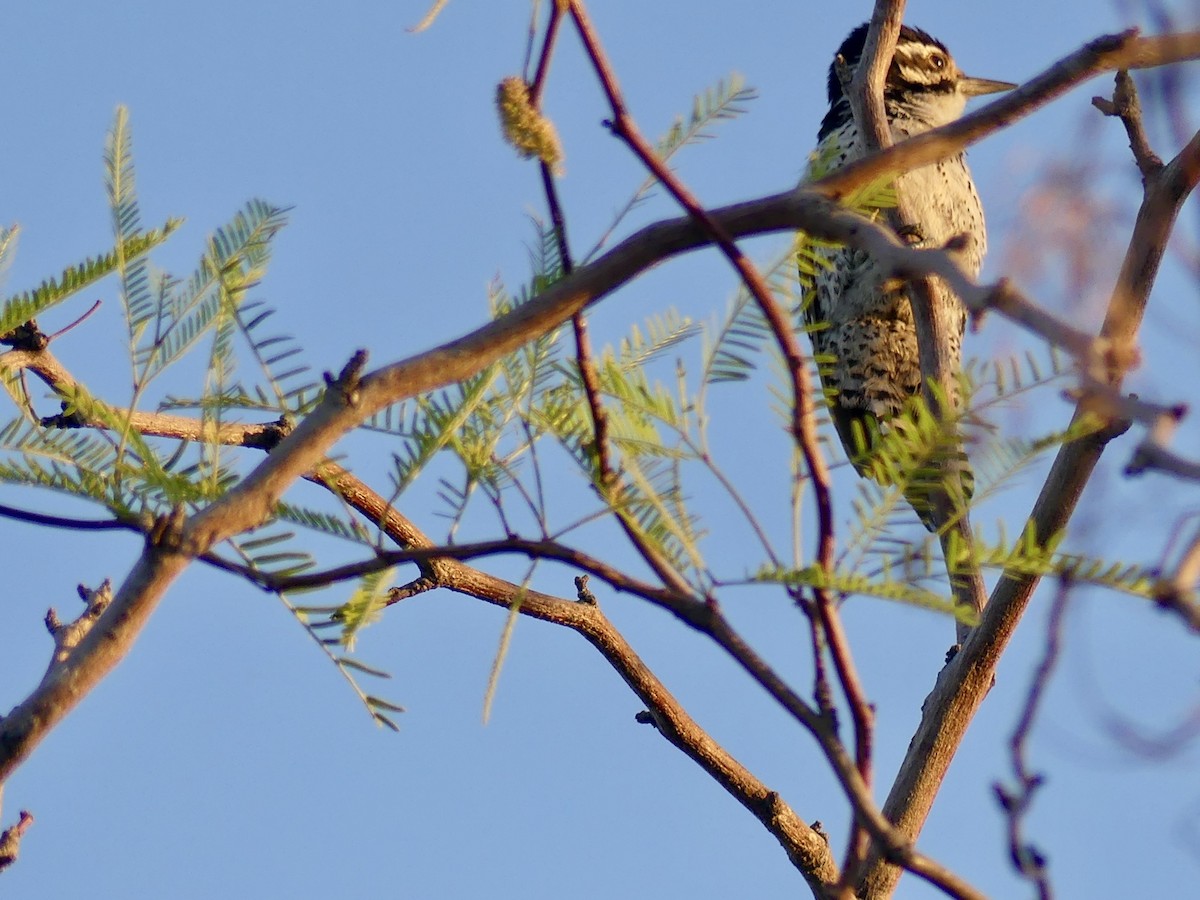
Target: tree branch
column 807, row 850
column 1028, row 860
column 803, row 425
column 931, row 306
column 10, row 839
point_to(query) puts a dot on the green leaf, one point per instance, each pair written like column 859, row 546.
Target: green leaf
column 236, row 259
column 20, row 308
column 364, row 606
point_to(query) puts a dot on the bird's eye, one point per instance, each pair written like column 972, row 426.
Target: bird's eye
column 939, row 61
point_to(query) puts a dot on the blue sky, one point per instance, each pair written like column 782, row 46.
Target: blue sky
column 225, row 757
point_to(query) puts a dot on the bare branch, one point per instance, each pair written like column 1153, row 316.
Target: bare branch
column 808, row 851
column 1124, row 104
column 1016, row 802
column 10, row 839
column 534, row 549
column 47, row 367
column 36, row 518
column 68, row 635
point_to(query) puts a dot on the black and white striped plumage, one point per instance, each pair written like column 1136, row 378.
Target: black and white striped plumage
column 868, row 324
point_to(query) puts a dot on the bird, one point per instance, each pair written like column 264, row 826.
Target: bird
column 861, row 322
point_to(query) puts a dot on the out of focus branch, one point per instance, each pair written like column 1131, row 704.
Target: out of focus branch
column 10, row 839
column 1016, row 801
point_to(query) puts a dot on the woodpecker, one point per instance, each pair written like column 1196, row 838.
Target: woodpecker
column 857, row 317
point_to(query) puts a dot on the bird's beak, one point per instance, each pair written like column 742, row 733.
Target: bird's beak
column 977, row 87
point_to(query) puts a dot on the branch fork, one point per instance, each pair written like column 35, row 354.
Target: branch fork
column 67, row 635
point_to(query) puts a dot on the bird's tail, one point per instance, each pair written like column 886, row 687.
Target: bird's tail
column 918, row 454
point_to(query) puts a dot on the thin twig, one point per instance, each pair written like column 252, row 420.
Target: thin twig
column 584, row 359
column 927, row 298
column 1124, row 104
column 534, row 549
column 543, row 67
column 10, row 839
column 1016, row 802
column 803, row 408
column 803, row 423
column 1178, row 591
column 865, row 93
column 79, row 321
column 804, row 411
column 72, row 524
column 606, row 477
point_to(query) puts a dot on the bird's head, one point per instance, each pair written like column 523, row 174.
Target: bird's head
column 923, row 81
